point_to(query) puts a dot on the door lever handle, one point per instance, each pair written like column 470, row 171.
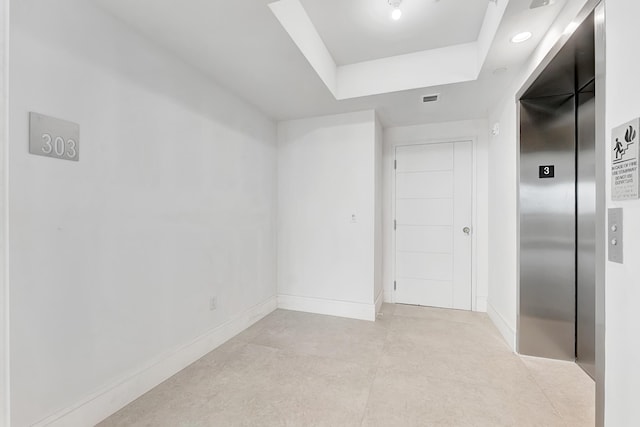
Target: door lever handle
column 466, row 231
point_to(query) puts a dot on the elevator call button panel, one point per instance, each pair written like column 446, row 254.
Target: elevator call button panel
column 548, row 171
column 615, row 235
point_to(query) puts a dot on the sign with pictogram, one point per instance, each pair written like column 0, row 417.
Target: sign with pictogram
column 624, row 161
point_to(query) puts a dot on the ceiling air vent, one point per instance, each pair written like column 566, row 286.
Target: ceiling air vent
column 431, row 98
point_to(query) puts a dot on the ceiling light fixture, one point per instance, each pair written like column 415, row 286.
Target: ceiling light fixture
column 541, row 3
column 521, row 37
column 397, row 13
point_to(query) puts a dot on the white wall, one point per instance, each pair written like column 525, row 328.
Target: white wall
column 503, row 217
column 503, row 178
column 4, row 138
column 623, row 281
column 114, row 258
column 475, row 130
column 326, row 174
column 378, row 293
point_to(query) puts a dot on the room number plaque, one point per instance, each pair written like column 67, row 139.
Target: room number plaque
column 53, row 137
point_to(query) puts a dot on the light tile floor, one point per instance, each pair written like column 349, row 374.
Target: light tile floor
column 415, row 366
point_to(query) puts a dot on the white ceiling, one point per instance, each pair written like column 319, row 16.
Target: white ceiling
column 360, row 30
column 241, row 45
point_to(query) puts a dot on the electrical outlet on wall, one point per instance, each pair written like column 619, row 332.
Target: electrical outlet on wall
column 213, row 303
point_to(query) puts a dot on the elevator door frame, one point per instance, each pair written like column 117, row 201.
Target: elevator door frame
column 598, row 7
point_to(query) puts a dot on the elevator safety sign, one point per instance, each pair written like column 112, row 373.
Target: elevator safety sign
column 624, row 161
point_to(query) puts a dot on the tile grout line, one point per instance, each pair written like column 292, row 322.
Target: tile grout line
column 542, row 389
column 375, row 375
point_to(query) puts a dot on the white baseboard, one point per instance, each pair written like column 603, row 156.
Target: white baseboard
column 352, row 310
column 117, row 395
column 481, row 304
column 507, row 331
column 379, row 301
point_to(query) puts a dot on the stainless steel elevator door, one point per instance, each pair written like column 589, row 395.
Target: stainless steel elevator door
column 586, row 236
column 546, row 320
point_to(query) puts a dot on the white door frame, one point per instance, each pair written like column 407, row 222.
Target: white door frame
column 473, row 140
column 4, row 246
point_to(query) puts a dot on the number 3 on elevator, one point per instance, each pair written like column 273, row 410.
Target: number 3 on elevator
column 546, row 171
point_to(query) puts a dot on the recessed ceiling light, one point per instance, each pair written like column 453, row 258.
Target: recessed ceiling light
column 540, row 3
column 521, row 37
column 397, row 13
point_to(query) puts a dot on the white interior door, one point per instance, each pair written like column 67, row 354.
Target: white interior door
column 433, row 224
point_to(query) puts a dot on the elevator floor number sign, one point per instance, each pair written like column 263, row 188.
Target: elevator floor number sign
column 624, row 161
column 548, row 171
